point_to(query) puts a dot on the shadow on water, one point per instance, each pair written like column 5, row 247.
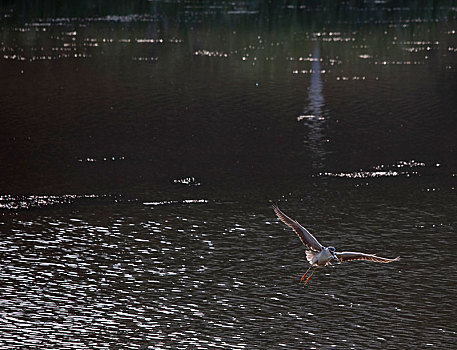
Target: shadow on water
column 143, row 143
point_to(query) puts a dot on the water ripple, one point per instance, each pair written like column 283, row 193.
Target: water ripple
column 139, row 278
column 11, row 202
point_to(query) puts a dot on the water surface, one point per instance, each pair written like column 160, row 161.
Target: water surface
column 143, row 145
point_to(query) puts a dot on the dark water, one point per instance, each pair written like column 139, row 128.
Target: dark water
column 141, row 146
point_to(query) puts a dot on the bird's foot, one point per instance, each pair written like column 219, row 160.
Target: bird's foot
column 301, row 280
column 307, row 280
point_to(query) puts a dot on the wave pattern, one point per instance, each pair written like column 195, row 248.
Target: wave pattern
column 212, row 276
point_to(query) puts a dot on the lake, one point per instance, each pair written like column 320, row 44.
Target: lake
column 143, row 145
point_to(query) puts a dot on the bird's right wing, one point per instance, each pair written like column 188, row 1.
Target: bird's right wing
column 353, row 256
column 307, row 238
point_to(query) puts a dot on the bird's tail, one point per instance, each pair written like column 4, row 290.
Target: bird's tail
column 309, row 256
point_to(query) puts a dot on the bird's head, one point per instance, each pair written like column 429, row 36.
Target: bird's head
column 332, row 251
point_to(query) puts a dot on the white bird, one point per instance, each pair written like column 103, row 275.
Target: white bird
column 318, row 255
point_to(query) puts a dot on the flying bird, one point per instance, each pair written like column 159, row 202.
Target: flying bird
column 318, row 255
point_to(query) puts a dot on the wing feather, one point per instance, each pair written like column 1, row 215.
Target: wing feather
column 305, row 236
column 353, row 256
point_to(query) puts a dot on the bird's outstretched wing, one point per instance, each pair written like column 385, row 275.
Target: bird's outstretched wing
column 352, row 256
column 307, row 238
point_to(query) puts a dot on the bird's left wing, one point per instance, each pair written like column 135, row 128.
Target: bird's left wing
column 305, row 236
column 352, row 256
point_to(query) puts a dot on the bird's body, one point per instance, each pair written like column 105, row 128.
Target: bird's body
column 318, row 255
column 322, row 258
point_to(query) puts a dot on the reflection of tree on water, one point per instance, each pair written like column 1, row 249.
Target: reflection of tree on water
column 313, row 114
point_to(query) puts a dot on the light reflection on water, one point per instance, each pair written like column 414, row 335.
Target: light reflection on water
column 226, row 276
column 314, row 113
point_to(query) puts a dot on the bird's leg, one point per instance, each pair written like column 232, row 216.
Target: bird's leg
column 306, row 273
column 307, row 280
